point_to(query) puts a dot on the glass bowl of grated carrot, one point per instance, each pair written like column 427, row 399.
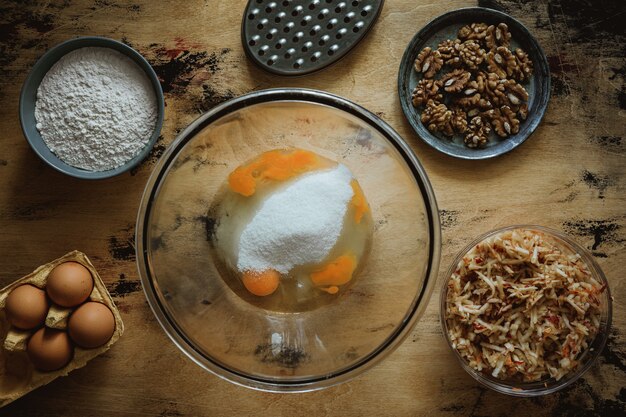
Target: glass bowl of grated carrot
column 526, row 310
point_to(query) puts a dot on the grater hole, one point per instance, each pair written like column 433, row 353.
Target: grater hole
column 296, row 65
column 259, row 26
column 268, row 9
column 286, row 29
column 363, row 12
column 277, row 19
column 269, row 36
column 251, row 42
column 303, row 23
column 294, row 13
column 355, row 29
column 355, row 3
column 337, row 9
column 311, row 6
column 322, row 42
column 261, row 52
column 285, row 3
column 331, row 52
column 347, row 19
column 270, row 62
column 287, row 55
column 251, row 16
column 329, row 26
column 279, row 45
column 339, row 35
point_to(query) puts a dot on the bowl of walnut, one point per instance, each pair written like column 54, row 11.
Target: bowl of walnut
column 474, row 83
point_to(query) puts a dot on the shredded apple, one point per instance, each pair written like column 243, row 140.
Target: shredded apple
column 520, row 307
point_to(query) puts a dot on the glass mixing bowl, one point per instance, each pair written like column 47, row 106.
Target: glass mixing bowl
column 272, row 350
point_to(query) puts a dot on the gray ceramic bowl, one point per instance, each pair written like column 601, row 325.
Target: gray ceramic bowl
column 446, row 26
column 29, row 95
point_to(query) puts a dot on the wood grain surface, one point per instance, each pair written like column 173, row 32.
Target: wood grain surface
column 570, row 175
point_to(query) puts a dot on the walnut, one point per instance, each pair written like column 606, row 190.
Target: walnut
column 449, row 50
column 482, row 90
column 478, row 132
column 428, row 62
column 506, row 92
column 425, row 90
column 475, row 31
column 490, row 86
column 475, row 101
column 502, row 62
column 476, row 85
column 454, row 81
column 522, row 111
column 497, row 36
column 515, row 93
column 524, row 65
column 504, row 121
column 437, row 118
column 471, row 54
column 458, row 120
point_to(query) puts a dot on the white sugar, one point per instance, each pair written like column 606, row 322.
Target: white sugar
column 297, row 225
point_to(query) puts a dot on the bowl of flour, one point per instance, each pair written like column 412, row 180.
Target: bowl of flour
column 91, row 108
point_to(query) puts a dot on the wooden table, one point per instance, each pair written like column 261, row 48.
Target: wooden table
column 570, row 175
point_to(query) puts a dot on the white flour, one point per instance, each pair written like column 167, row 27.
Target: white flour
column 297, row 225
column 95, row 109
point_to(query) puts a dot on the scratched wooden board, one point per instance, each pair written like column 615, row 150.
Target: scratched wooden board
column 569, row 175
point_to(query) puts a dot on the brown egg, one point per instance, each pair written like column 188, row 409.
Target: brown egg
column 69, row 284
column 91, row 325
column 49, row 349
column 26, row 307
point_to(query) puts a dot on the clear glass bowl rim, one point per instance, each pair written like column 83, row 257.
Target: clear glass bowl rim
column 518, row 390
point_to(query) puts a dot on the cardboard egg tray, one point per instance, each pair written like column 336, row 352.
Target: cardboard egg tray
column 17, row 374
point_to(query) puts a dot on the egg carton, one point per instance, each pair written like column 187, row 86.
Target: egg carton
column 18, row 376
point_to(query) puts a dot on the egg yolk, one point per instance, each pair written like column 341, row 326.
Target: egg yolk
column 261, row 283
column 358, row 202
column 334, row 273
column 278, row 165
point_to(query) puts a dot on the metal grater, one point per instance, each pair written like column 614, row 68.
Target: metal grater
column 296, row 37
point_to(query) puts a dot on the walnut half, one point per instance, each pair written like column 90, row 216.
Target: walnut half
column 498, row 36
column 475, row 31
column 455, row 81
column 438, row 118
column 426, row 89
column 471, row 54
column 428, row 62
column 478, row 132
column 504, row 121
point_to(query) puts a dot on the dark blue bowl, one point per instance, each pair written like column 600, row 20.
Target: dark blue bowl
column 446, row 26
column 29, row 96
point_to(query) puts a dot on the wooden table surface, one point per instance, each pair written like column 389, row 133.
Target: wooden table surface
column 570, row 175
